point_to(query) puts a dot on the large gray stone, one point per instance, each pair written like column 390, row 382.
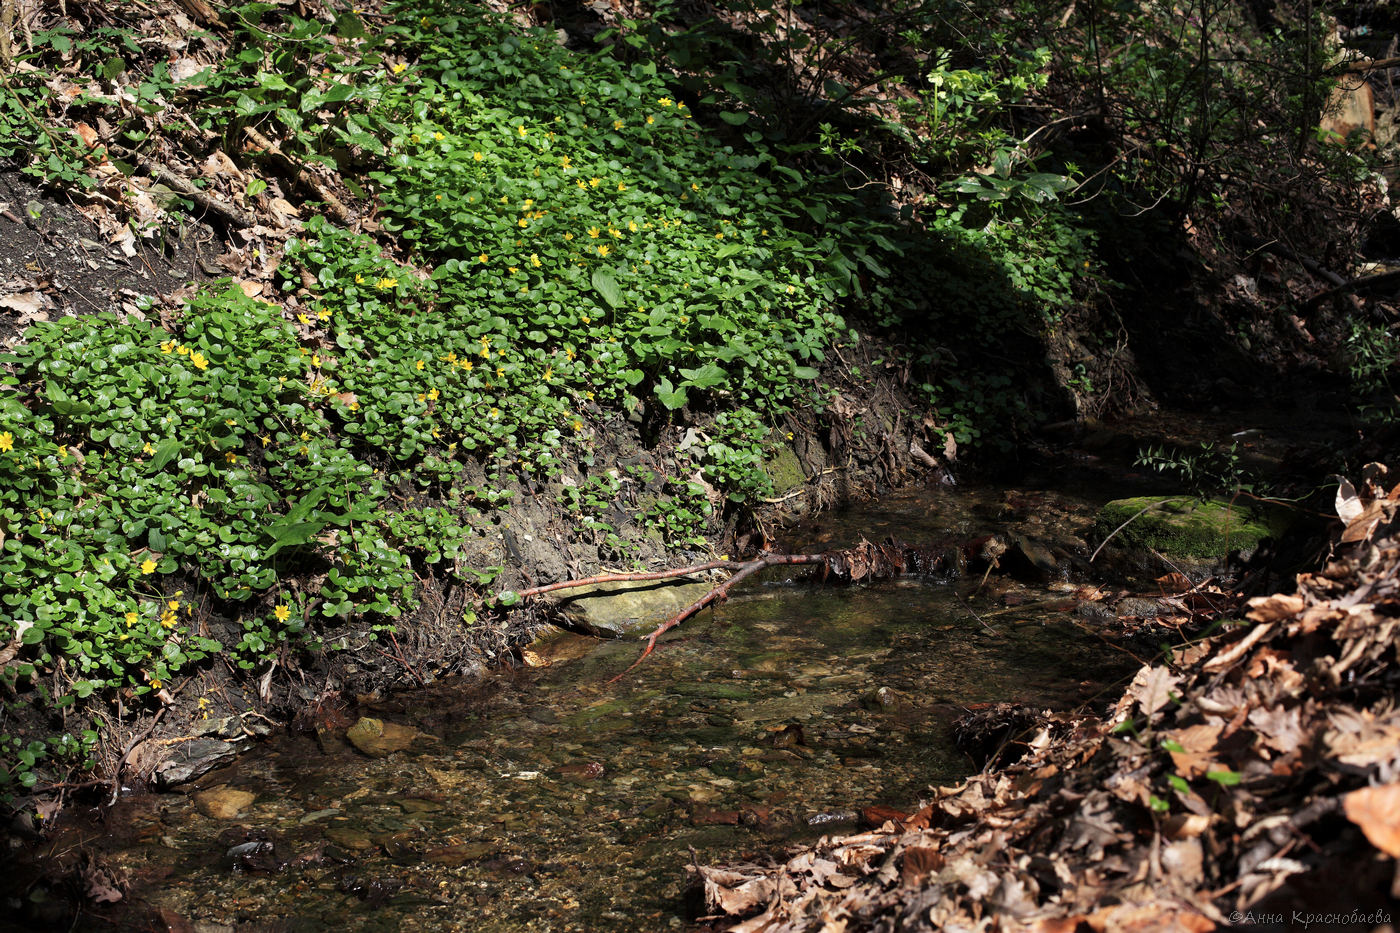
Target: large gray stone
column 189, row 760
column 617, row 610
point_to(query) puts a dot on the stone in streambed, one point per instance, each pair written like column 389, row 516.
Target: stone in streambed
column 618, row 610
column 1191, row 528
column 222, row 802
column 379, row 739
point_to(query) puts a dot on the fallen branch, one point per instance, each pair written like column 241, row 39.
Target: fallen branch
column 865, row 561
column 300, row 175
column 186, row 189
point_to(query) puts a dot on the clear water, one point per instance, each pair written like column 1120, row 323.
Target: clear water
column 549, row 800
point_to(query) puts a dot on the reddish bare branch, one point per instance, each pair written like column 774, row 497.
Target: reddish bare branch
column 630, row 577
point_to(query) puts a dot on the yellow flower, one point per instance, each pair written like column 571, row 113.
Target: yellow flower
column 323, row 315
column 632, row 226
column 495, row 413
column 388, row 282
column 569, row 352
column 433, row 395
column 173, row 605
column 477, row 157
column 548, row 373
column 148, row 566
column 565, row 162
column 529, row 203
column 7, row 441
column 582, row 184
column 282, row 613
column 522, row 223
column 500, row 372
column 230, row 456
column 618, row 124
column 535, row 260
column 650, row 119
column 305, row 436
column 359, row 279
column 451, row 357
column 593, row 232
column 199, row 361
column 719, row 236
column 594, row 182
column 512, row 269
column 304, row 319
column 568, row 236
column 422, row 396
column 621, row 186
column 617, row 234
column 419, row 365
column 467, row 365
column 413, row 137
column 167, row 346
column 603, row 250
column 316, row 360
column 664, row 101
column 439, row 137
column 482, row 259
column 182, row 350
column 522, row 131
column 578, row 425
column 400, row 68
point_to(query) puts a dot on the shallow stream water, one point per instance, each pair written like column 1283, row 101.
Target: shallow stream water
column 549, row 799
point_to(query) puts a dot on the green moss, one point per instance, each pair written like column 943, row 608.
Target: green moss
column 784, row 471
column 1187, row 527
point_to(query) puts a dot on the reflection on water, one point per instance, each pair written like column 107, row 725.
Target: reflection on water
column 550, row 800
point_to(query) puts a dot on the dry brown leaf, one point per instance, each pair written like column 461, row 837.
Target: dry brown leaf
column 1175, row 583
column 1152, row 688
column 1377, row 811
column 735, row 892
column 1197, row 744
column 1273, row 608
column 919, row 861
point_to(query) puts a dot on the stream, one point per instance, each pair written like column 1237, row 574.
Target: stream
column 548, row 799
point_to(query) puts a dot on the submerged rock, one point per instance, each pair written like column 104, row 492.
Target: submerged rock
column 222, row 802
column 379, row 739
column 617, row 610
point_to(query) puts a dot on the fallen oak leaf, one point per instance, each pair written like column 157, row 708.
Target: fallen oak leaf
column 1376, row 810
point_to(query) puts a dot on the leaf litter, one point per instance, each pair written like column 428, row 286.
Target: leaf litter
column 1253, row 774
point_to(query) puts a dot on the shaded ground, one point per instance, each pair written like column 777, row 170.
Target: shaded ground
column 57, row 258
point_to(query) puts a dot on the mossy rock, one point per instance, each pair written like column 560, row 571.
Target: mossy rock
column 617, row 610
column 1188, row 527
column 784, row 471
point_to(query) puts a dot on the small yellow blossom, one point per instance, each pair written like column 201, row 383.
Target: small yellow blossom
column 422, row 396
column 578, row 425
column 282, row 613
column 593, row 232
column 583, row 185
column 618, row 124
column 500, row 372
column 522, row 131
column 230, row 456
column 305, row 436
column 522, row 223
column 451, row 357
column 568, row 236
column 617, row 234
column 439, row 137
column 548, row 373
column 495, row 413
column 621, row 186
column 594, row 182
column 359, row 279
column 535, row 260
column 632, row 226
column 182, row 350
column 434, row 395
column 419, row 365
column 386, row 282
column 603, row 250
column 148, row 566
column 304, row 319
column 664, row 101
column 167, row 346
column 316, row 360
column 199, row 361
column 650, row 119
column 512, row 269
column 132, row 618
column 565, row 162
column 400, row 68
column 482, row 259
